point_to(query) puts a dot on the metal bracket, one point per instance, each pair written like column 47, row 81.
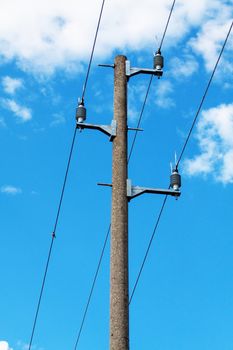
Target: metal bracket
column 135, row 191
column 109, row 130
column 134, row 71
column 107, row 65
column 104, row 184
column 135, row 129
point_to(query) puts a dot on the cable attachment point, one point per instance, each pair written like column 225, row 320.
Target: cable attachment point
column 81, row 112
column 175, row 178
column 158, row 61
column 53, row 235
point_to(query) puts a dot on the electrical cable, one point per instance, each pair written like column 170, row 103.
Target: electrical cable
column 151, row 79
column 182, row 152
column 63, row 187
column 98, row 267
column 167, row 24
column 93, row 49
column 52, row 242
column 204, row 95
column 140, row 117
column 148, row 248
column 92, row 286
column 129, row 157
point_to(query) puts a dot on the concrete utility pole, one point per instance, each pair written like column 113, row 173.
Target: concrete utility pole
column 122, row 192
column 119, row 298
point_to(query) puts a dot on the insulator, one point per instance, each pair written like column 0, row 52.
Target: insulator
column 175, row 180
column 158, row 61
column 81, row 113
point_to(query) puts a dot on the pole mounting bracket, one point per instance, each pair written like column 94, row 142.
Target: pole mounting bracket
column 135, row 191
column 130, row 71
column 109, row 130
column 104, row 184
column 134, row 129
column 107, row 65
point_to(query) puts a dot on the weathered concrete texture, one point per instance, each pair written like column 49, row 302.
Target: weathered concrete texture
column 119, row 309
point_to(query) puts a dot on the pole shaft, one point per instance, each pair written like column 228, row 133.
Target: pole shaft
column 119, row 303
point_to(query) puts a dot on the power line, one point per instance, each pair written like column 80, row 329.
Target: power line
column 150, row 81
column 52, row 242
column 182, row 152
column 93, row 49
column 92, row 286
column 204, row 95
column 63, row 187
column 129, row 157
column 140, row 117
column 148, row 248
column 167, row 24
column 98, row 265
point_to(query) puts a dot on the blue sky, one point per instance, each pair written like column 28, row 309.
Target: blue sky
column 184, row 299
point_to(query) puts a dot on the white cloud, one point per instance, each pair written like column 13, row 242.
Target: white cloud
column 11, row 85
column 46, row 35
column 210, row 38
column 58, row 119
column 185, row 67
column 11, row 190
column 215, row 140
column 4, row 345
column 48, row 92
column 23, row 113
column 163, row 94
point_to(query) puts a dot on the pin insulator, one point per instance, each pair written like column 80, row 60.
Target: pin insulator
column 81, row 113
column 175, row 180
column 158, row 61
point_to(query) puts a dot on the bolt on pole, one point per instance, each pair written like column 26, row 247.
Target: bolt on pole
column 119, row 295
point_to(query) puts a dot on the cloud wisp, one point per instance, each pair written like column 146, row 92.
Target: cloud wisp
column 10, row 190
column 23, row 114
column 58, row 119
column 183, row 67
column 215, row 141
column 11, row 85
column 163, row 94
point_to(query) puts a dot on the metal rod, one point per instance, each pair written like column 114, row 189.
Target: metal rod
column 104, row 184
column 106, row 65
column 135, row 129
column 119, row 299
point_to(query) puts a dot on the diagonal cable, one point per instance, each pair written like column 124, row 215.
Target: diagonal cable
column 92, row 288
column 63, row 187
column 93, row 49
column 140, row 118
column 182, row 152
column 167, row 24
column 148, row 248
column 52, row 242
column 204, row 95
column 151, row 79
